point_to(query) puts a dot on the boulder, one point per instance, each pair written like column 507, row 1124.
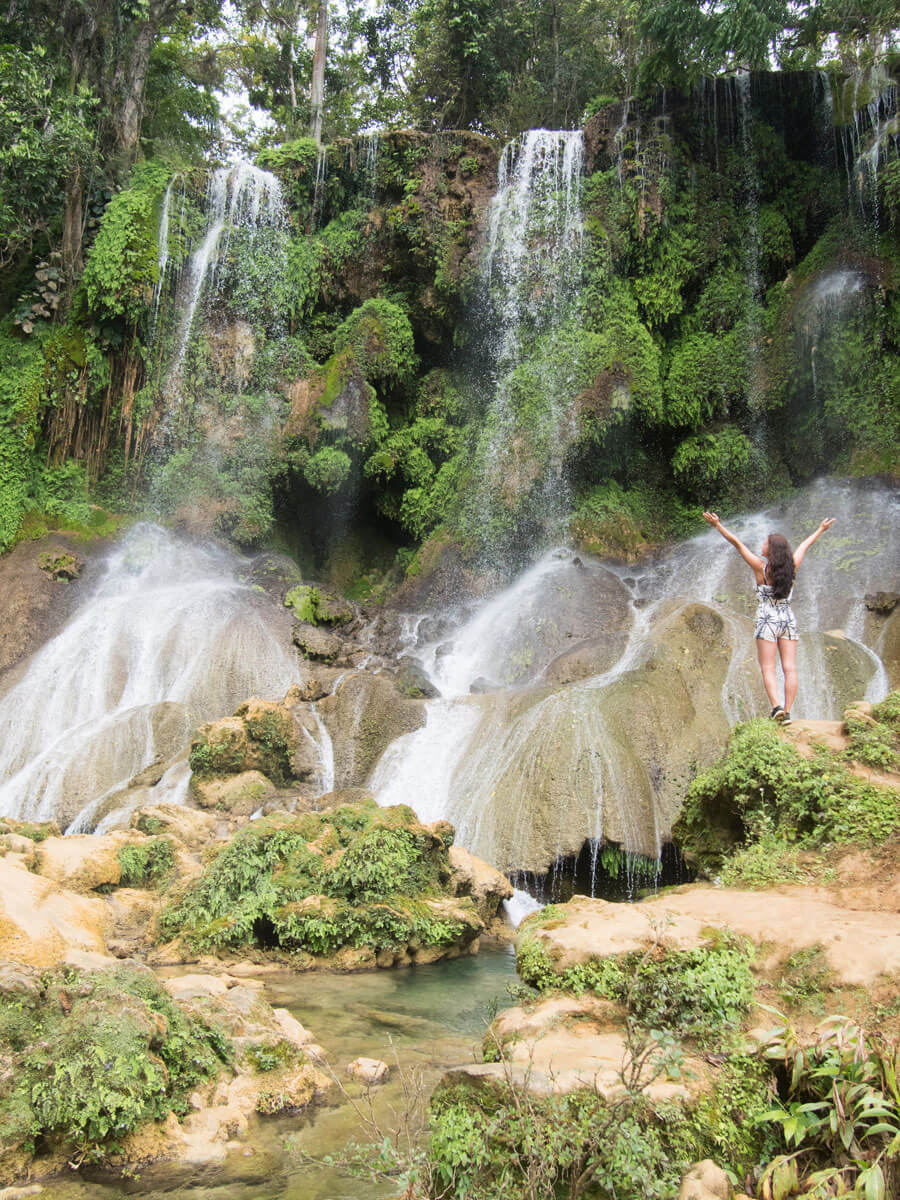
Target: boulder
column 368, row 1070
column 363, row 716
column 235, row 795
column 705, row 1181
column 413, row 681
column 882, row 603
column 193, row 829
column 84, row 862
column 320, row 645
column 41, row 921
column 474, row 877
column 278, row 741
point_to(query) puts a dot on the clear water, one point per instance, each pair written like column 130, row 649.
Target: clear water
column 430, row 1018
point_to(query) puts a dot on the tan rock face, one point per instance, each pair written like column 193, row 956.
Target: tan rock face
column 83, row 862
column 859, row 946
column 571, row 1043
column 368, row 1070
column 41, row 921
column 194, row 829
column 474, row 877
column 364, row 715
column 236, row 795
column 705, row 1181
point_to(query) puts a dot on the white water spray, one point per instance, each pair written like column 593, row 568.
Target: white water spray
column 170, row 638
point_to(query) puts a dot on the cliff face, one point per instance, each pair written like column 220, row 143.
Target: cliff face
column 735, row 332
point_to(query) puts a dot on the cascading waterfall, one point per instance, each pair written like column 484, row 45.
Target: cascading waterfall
column 239, row 196
column 481, row 760
column 530, row 284
column 170, row 638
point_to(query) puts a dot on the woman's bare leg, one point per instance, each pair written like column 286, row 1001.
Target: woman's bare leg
column 787, row 648
column 765, row 652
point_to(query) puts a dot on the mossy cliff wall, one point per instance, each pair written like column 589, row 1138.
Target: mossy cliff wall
column 738, row 331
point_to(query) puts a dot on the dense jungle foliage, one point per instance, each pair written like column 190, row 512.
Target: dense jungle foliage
column 738, row 321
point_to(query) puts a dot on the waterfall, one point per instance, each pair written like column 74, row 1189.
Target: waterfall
column 531, row 763
column 238, row 196
column 530, row 282
column 170, row 638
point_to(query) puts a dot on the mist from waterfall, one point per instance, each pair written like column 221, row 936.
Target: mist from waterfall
column 171, row 637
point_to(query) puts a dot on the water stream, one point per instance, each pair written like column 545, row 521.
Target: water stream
column 427, row 1019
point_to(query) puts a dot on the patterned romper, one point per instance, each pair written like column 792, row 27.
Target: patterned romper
column 774, row 618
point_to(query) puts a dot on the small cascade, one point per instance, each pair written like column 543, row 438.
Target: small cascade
column 530, row 282
column 163, row 242
column 370, row 165
column 239, row 196
column 170, row 638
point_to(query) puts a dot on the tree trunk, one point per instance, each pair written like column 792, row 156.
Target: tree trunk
column 131, row 78
column 317, row 88
column 72, row 228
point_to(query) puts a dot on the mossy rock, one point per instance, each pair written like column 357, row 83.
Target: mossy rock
column 88, row 1057
column 261, row 736
column 762, row 787
column 356, row 876
column 62, row 567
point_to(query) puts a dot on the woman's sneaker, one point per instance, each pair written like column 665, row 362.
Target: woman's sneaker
column 785, row 718
column 778, row 714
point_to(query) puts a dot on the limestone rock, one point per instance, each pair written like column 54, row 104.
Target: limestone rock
column 413, row 681
column 576, row 1043
column 236, row 795
column 705, row 1181
column 476, row 878
column 364, row 715
column 859, row 946
column 368, row 1070
column 321, row 645
column 262, row 736
column 882, row 603
column 194, row 829
column 41, row 921
column 291, row 1027
column 84, row 862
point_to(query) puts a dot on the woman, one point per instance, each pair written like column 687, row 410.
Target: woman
column 774, row 568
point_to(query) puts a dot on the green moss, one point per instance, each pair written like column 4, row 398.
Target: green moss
column 92, row 1056
column 122, row 267
column 381, row 339
column 358, row 875
column 303, row 601
column 618, row 522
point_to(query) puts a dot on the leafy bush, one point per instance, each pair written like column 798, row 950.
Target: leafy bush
column 92, row 1056
column 707, row 459
column 122, row 266
column 381, row 338
column 357, row 875
column 762, row 785
column 694, row 992
column 840, row 1116
column 874, row 745
column 146, row 864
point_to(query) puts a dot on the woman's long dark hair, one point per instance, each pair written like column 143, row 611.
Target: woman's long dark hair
column 781, row 566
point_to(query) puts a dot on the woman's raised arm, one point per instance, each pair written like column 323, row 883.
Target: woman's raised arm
column 805, row 545
column 752, row 560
